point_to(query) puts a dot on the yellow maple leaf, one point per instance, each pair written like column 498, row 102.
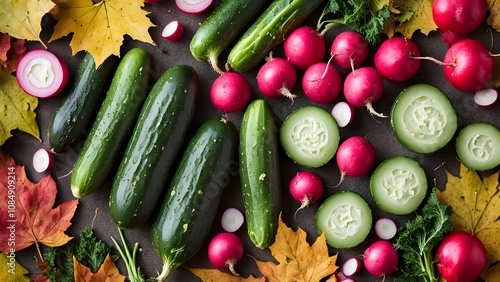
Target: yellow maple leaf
column 493, row 6
column 476, row 208
column 11, row 270
column 100, row 28
column 215, row 275
column 108, row 272
column 415, row 15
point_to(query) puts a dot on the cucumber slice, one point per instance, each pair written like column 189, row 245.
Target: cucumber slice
column 346, row 219
column 423, row 118
column 398, row 185
column 310, row 136
column 478, row 146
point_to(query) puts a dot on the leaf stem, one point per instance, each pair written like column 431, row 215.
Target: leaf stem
column 134, row 272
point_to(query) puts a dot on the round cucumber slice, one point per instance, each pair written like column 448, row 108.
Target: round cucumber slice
column 478, row 146
column 398, row 185
column 310, row 136
column 346, row 219
column 423, row 118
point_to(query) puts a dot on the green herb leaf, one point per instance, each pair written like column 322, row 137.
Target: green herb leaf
column 91, row 251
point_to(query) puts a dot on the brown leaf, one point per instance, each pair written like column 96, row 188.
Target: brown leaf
column 108, row 272
column 215, row 275
column 493, row 19
column 11, row 51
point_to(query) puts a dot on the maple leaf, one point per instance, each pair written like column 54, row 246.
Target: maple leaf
column 100, row 28
column 476, row 209
column 493, row 6
column 27, row 215
column 11, row 270
column 411, row 16
column 17, row 108
column 11, row 51
column 108, row 272
column 215, row 275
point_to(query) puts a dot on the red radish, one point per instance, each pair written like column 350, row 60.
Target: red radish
column 151, row 1
column 306, row 188
column 355, row 157
column 344, row 113
column 304, row 47
column 363, row 87
column 461, row 256
column 459, row 16
column 394, row 59
column 193, row 6
column 42, row 160
column 351, row 266
column 173, row 31
column 276, row 77
column 486, row 97
column 381, row 258
column 322, row 83
column 385, row 228
column 225, row 250
column 450, row 37
column 230, row 92
column 349, row 49
column 232, row 219
column 348, row 280
column 41, row 73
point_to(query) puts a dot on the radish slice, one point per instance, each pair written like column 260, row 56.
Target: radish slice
column 486, row 97
column 151, row 1
column 351, row 267
column 232, row 219
column 173, row 31
column 343, row 113
column 385, row 228
column 348, row 280
column 42, row 160
column 42, row 74
column 193, row 6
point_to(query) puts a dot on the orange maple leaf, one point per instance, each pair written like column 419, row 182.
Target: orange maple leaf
column 108, row 272
column 27, row 215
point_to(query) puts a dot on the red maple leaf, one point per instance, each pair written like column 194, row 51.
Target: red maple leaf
column 11, row 51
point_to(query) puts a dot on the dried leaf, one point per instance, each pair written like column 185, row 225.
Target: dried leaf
column 411, row 16
column 215, row 275
column 11, row 51
column 11, row 270
column 108, row 272
column 493, row 6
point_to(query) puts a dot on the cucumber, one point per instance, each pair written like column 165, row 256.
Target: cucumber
column 75, row 111
column 192, row 199
column 157, row 137
column 260, row 173
column 113, row 124
column 478, row 146
column 280, row 18
column 222, row 27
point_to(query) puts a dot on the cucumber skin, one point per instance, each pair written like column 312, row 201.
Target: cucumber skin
column 113, row 124
column 192, row 199
column 260, row 173
column 281, row 17
column 74, row 112
column 157, row 138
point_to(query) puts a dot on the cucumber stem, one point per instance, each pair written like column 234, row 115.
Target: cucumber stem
column 165, row 272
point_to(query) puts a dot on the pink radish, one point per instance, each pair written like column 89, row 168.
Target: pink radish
column 173, row 31
column 151, row 1
column 349, row 49
column 355, row 157
column 459, row 16
column 343, row 113
column 486, row 97
column 232, row 219
column 42, row 160
column 381, row 258
column 352, row 266
column 225, row 250
column 304, row 47
column 230, row 92
column 363, row 87
column 394, row 59
column 193, row 6
column 322, row 83
column 450, row 37
column 276, row 77
column 385, row 228
column 306, row 188
column 41, row 73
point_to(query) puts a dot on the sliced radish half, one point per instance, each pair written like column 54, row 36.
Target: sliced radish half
column 343, row 113
column 42, row 160
column 385, row 228
column 486, row 97
column 173, row 31
column 42, row 74
column 193, row 6
column 232, row 219
column 351, row 267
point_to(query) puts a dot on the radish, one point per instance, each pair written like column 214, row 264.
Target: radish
column 385, row 228
column 151, row 1
column 306, row 188
column 364, row 86
column 351, row 266
column 42, row 160
column 486, row 97
column 450, row 37
column 343, row 113
column 459, row 16
column 193, row 6
column 355, row 157
column 349, row 49
column 230, row 92
column 304, row 47
column 173, row 31
column 232, row 219
column 381, row 258
column 394, row 59
column 276, row 77
column 41, row 73
column 225, row 250
column 322, row 83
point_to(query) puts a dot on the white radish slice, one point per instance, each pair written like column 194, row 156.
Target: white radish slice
column 41, row 73
column 193, row 6
column 385, row 228
column 344, row 113
column 486, row 97
column 232, row 219
column 42, row 160
column 351, row 267
column 348, row 280
column 173, row 31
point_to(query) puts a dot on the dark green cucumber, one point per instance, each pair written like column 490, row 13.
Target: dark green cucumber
column 157, row 137
column 75, row 111
column 113, row 124
column 222, row 27
column 259, row 173
column 280, row 18
column 192, row 199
